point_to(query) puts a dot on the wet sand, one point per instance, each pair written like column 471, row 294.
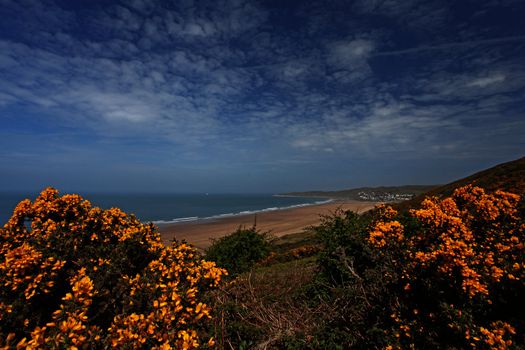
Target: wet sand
column 278, row 222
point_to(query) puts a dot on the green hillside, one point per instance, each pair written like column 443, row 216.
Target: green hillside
column 508, row 177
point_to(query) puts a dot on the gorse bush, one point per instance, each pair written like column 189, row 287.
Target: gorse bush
column 460, row 271
column 76, row 276
column 240, row 250
column 447, row 275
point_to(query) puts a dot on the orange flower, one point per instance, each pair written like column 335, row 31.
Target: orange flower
column 471, row 240
column 98, row 265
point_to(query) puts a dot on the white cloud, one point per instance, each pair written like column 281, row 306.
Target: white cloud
column 389, row 127
column 348, row 60
column 447, row 46
column 350, row 54
column 486, row 81
column 116, row 107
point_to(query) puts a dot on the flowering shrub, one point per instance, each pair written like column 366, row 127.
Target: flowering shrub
column 459, row 271
column 76, row 276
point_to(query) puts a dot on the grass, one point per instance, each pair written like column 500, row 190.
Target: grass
column 266, row 302
column 294, row 240
column 508, row 177
column 268, row 306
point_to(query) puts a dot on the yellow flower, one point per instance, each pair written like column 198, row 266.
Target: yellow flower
column 34, row 264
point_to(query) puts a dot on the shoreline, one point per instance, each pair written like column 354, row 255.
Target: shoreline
column 278, row 222
column 195, row 219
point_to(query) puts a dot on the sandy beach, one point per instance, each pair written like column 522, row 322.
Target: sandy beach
column 278, row 222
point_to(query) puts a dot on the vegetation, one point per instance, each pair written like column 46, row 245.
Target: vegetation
column 240, row 250
column 267, row 307
column 448, row 274
column 459, row 271
column 341, row 235
column 75, row 276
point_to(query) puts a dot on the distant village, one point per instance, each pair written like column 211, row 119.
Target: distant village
column 384, row 196
column 370, row 194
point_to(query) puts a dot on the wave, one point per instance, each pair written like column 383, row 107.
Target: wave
column 246, row 212
column 191, row 218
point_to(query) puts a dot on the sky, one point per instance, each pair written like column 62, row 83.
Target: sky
column 257, row 96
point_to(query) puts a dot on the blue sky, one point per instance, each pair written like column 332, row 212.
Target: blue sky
column 257, row 96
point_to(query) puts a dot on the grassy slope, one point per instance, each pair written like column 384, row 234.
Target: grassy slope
column 508, row 176
column 264, row 307
column 286, row 243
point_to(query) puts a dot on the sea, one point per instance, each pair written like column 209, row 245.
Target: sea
column 164, row 209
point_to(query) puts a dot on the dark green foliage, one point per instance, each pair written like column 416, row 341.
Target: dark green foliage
column 351, row 277
column 343, row 238
column 240, row 250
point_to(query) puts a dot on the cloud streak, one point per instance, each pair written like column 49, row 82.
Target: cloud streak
column 453, row 45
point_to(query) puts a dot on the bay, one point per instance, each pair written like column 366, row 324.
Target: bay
column 169, row 208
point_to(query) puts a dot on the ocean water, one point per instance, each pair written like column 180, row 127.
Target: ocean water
column 170, row 208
